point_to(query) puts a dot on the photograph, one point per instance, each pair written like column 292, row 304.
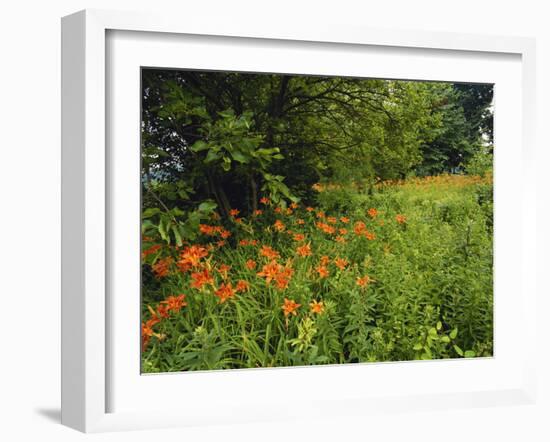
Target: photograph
column 302, row 220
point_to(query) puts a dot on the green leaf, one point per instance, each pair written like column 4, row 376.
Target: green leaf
column 428, row 352
column 238, row 156
column 445, row 339
column 183, row 194
column 199, row 146
column 226, row 165
column 151, row 211
column 469, row 354
column 177, row 235
column 212, row 155
column 417, row 347
column 439, row 325
column 453, row 333
column 207, row 206
column 458, row 350
column 176, row 211
column 162, row 231
column 228, row 113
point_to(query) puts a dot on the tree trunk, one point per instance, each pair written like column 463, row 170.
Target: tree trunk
column 254, row 187
column 219, row 195
column 224, row 200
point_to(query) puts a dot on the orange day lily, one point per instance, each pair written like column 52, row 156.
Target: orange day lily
column 304, row 250
column 191, row 257
column 325, row 227
column 323, row 271
column 364, row 281
column 224, row 292
column 270, row 271
column 242, row 286
column 151, row 250
column 175, row 303
column 163, row 311
column 162, row 267
column 282, row 279
column 208, row 230
column 341, row 263
column 225, row 234
column 201, row 279
column 290, row 307
column 299, row 237
column 359, row 228
column 279, row 225
column 317, row 307
column 223, row 270
column 268, row 252
column 369, row 235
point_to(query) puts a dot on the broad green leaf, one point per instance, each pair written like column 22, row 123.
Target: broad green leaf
column 207, row 206
column 177, row 235
column 151, row 211
column 238, row 156
column 199, row 146
column 211, row 156
column 162, row 231
column 453, row 333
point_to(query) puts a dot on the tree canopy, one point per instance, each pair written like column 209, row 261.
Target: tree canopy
column 233, row 137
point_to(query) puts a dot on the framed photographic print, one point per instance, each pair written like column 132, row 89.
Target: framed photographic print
column 293, row 220
column 256, row 214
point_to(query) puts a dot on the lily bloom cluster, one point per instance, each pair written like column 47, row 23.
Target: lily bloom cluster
column 277, row 252
column 450, row 181
column 163, row 310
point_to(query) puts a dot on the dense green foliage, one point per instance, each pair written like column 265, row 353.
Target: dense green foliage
column 229, row 136
column 295, row 220
column 428, row 292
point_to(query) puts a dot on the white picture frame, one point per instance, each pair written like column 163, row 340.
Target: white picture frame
column 86, row 233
